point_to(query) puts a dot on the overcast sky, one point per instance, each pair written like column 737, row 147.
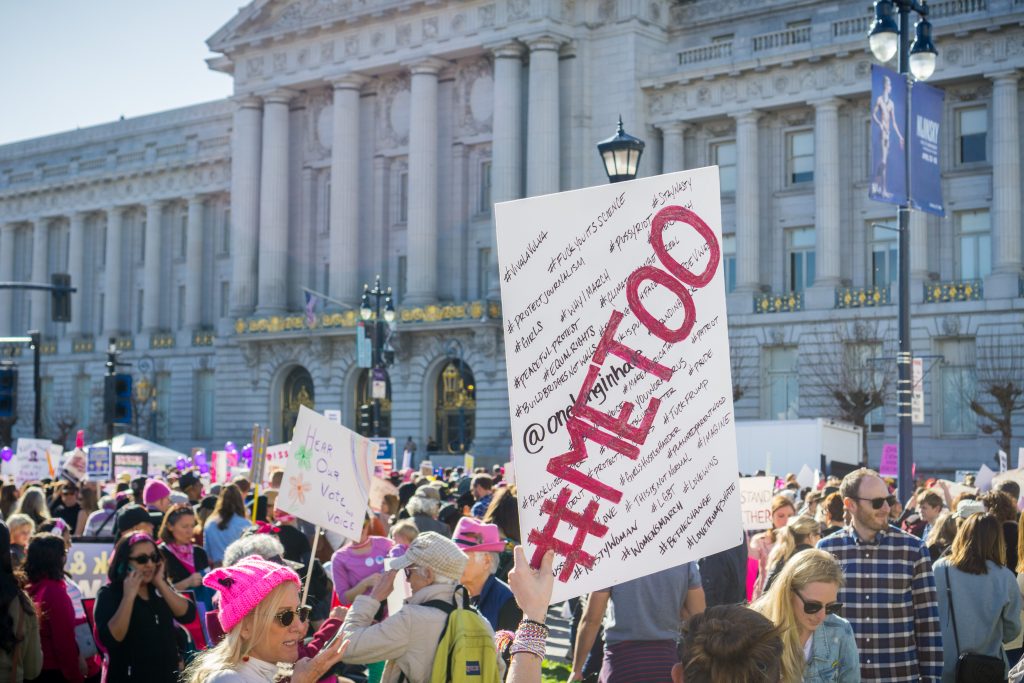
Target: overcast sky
column 67, row 64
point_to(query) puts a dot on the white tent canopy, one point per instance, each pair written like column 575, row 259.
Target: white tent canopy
column 159, row 456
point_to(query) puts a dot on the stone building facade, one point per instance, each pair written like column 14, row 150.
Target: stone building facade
column 372, row 137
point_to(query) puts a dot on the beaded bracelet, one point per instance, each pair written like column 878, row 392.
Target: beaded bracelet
column 531, row 636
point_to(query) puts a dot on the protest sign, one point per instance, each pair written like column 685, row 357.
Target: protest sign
column 468, row 463
column 890, row 465
column 620, row 393
column 87, row 563
column 510, row 474
column 132, row 464
column 378, row 489
column 807, row 478
column 31, row 461
column 984, row 478
column 953, row 488
column 1016, row 475
column 327, row 476
column 97, row 465
column 1002, row 461
column 1020, row 457
column 756, row 502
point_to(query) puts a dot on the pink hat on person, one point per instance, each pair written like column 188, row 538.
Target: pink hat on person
column 472, row 535
column 244, row 584
column 154, row 491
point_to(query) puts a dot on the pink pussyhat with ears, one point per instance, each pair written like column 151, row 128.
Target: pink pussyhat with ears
column 244, row 585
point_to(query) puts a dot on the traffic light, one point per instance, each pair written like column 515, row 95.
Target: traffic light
column 366, row 419
column 8, row 393
column 60, row 298
column 117, row 399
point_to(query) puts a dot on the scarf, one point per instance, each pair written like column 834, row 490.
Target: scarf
column 183, row 553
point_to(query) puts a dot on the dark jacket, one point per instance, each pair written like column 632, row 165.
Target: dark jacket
column 724, row 576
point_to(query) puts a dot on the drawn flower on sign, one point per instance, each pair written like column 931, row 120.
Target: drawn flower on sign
column 304, row 457
column 299, row 489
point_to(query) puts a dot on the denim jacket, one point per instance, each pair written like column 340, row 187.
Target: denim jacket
column 834, row 656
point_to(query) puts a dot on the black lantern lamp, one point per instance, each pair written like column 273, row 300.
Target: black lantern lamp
column 621, row 155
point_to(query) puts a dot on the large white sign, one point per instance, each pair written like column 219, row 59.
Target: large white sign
column 617, row 352
column 327, row 475
column 756, row 496
column 32, row 461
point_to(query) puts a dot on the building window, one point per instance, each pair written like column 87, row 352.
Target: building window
column 138, row 310
column 326, row 285
column 972, row 131
column 202, row 420
column 403, row 197
column 957, row 374
column 800, row 157
column 455, row 416
column 781, row 384
column 183, row 236
column 483, row 259
column 403, row 277
column 865, row 374
column 800, row 258
column 181, row 307
column 729, row 259
column 723, row 154
column 485, row 188
column 140, row 243
column 883, row 247
column 102, row 246
column 325, row 220
column 225, row 232
column 974, row 244
column 159, row 406
column 225, row 298
column 100, row 314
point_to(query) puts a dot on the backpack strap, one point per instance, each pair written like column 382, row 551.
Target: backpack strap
column 447, row 608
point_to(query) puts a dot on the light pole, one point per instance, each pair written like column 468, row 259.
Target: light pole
column 888, row 39
column 620, row 155
column 378, row 371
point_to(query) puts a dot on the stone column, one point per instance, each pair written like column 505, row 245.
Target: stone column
column 422, row 223
column 273, row 242
column 112, row 281
column 40, row 274
column 245, row 203
column 151, row 279
column 194, row 264
column 542, row 139
column 76, row 269
column 7, row 233
column 672, row 146
column 1006, row 204
column 748, row 213
column 344, row 241
column 826, row 204
column 507, row 142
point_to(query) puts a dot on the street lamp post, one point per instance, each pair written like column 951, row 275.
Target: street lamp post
column 620, row 155
column 888, row 39
column 368, row 312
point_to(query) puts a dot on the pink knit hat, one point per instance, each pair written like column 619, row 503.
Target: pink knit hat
column 154, row 491
column 244, row 584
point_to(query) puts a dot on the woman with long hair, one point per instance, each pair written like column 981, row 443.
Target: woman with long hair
column 33, row 504
column 940, row 538
column 89, row 500
column 185, row 562
column 504, row 512
column 21, row 654
column 135, row 615
column 8, row 499
column 800, row 533
column 978, row 595
column 264, row 625
column 761, row 544
column 226, row 525
column 44, row 566
column 817, row 644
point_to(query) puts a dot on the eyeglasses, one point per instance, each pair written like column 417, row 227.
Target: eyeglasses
column 286, row 617
column 813, row 606
column 408, row 572
column 145, row 559
column 877, row 503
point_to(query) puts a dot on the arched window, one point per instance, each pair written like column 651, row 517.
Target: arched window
column 455, row 400
column 364, row 406
column 297, row 391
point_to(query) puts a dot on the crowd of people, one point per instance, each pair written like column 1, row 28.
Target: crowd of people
column 214, row 584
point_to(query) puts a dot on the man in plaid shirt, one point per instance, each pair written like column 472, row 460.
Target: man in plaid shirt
column 889, row 597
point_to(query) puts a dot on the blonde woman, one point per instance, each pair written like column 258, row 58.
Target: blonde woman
column 818, row 644
column 264, row 626
column 33, row 504
column 800, row 533
column 761, row 545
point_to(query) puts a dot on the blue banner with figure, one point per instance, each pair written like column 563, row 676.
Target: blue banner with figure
column 925, row 175
column 888, row 137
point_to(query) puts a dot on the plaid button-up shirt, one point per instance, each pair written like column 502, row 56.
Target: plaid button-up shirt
column 890, row 601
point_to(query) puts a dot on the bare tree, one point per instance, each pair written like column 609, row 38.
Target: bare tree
column 998, row 392
column 849, row 376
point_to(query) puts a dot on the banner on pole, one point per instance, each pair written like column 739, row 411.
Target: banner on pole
column 926, row 104
column 888, row 137
column 613, row 300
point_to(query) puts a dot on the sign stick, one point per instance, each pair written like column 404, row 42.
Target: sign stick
column 309, row 574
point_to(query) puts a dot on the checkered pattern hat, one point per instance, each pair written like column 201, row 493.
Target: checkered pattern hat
column 432, row 551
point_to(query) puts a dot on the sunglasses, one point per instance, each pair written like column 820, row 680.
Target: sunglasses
column 146, row 559
column 286, row 617
column 813, row 606
column 877, row 503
